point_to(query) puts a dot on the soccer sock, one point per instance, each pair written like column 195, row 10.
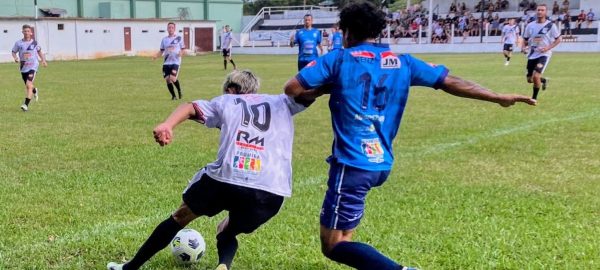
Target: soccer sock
column 508, row 58
column 227, row 246
column 159, row 239
column 361, row 256
column 231, row 61
column 536, row 90
column 225, row 64
column 171, row 90
column 27, row 100
column 176, row 83
column 543, row 80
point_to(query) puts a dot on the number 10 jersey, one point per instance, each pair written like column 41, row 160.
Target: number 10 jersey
column 255, row 148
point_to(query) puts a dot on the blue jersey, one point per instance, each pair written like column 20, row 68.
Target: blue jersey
column 336, row 41
column 307, row 41
column 369, row 89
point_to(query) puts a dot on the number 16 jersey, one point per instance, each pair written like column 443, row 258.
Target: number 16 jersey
column 255, row 148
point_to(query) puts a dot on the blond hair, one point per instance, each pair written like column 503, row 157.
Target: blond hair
column 242, row 82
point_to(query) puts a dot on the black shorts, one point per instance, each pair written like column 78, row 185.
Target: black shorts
column 508, row 47
column 248, row 208
column 226, row 52
column 538, row 64
column 170, row 70
column 28, row 76
column 303, row 63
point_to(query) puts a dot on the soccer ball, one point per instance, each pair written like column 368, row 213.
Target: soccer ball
column 188, row 246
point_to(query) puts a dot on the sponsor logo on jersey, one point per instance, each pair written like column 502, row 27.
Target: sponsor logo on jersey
column 312, row 63
column 245, row 140
column 363, row 54
column 389, row 60
column 247, row 164
column 373, row 150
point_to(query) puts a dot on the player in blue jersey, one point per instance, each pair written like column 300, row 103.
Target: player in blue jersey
column 369, row 88
column 336, row 38
column 171, row 49
column 308, row 39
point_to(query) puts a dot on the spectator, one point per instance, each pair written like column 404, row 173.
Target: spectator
column 581, row 18
column 555, row 8
column 566, row 4
column 504, row 5
column 567, row 24
column 590, row 18
column 495, row 25
column 453, row 7
column 463, row 7
column 523, row 5
column 532, row 5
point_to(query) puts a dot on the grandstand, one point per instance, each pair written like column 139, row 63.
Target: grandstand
column 273, row 26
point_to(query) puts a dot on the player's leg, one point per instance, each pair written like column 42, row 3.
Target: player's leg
column 342, row 211
column 28, row 78
column 538, row 70
column 249, row 209
column 201, row 197
column 543, row 79
column 167, row 77
column 230, row 59
column 224, row 53
column 175, row 79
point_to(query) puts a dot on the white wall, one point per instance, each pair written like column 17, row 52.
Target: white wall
column 90, row 39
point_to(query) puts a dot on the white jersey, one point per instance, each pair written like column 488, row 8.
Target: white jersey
column 510, row 34
column 226, row 40
column 28, row 54
column 540, row 35
column 171, row 47
column 255, row 148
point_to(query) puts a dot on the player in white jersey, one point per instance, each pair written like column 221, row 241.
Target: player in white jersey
column 540, row 36
column 26, row 52
column 171, row 49
column 226, row 42
column 252, row 173
column 510, row 35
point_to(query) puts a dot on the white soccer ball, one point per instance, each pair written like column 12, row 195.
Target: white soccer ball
column 188, row 246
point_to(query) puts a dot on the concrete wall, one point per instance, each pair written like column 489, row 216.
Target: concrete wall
column 89, row 39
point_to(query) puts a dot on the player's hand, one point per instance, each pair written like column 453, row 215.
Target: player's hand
column 543, row 49
column 509, row 100
column 163, row 134
column 16, row 60
column 44, row 63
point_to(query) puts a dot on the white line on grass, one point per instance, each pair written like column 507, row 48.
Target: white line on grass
column 442, row 147
column 110, row 227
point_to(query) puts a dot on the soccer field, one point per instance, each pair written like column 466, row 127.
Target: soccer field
column 474, row 186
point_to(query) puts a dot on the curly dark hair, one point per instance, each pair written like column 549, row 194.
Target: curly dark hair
column 363, row 19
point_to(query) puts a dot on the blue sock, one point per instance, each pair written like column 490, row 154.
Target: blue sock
column 361, row 256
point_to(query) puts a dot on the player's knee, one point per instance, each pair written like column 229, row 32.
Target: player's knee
column 184, row 215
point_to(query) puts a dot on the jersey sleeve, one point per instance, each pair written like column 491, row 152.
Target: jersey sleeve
column 319, row 37
column 15, row 48
column 297, row 38
column 424, row 74
column 208, row 112
column 554, row 31
column 318, row 72
column 292, row 104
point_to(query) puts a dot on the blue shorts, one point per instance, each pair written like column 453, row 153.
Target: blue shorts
column 344, row 202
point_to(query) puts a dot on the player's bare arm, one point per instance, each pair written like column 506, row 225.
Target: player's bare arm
column 15, row 57
column 157, row 55
column 163, row 133
column 42, row 58
column 463, row 88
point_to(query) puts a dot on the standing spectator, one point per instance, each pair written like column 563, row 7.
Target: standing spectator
column 581, row 18
column 555, row 8
column 567, row 24
column 463, row 7
column 566, row 4
column 495, row 25
column 590, row 18
column 453, row 7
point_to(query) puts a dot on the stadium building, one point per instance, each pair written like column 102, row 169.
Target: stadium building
column 83, row 29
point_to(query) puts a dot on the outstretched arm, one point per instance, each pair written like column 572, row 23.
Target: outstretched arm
column 163, row 133
column 294, row 89
column 462, row 88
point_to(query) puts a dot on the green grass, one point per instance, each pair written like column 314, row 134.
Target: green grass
column 475, row 186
